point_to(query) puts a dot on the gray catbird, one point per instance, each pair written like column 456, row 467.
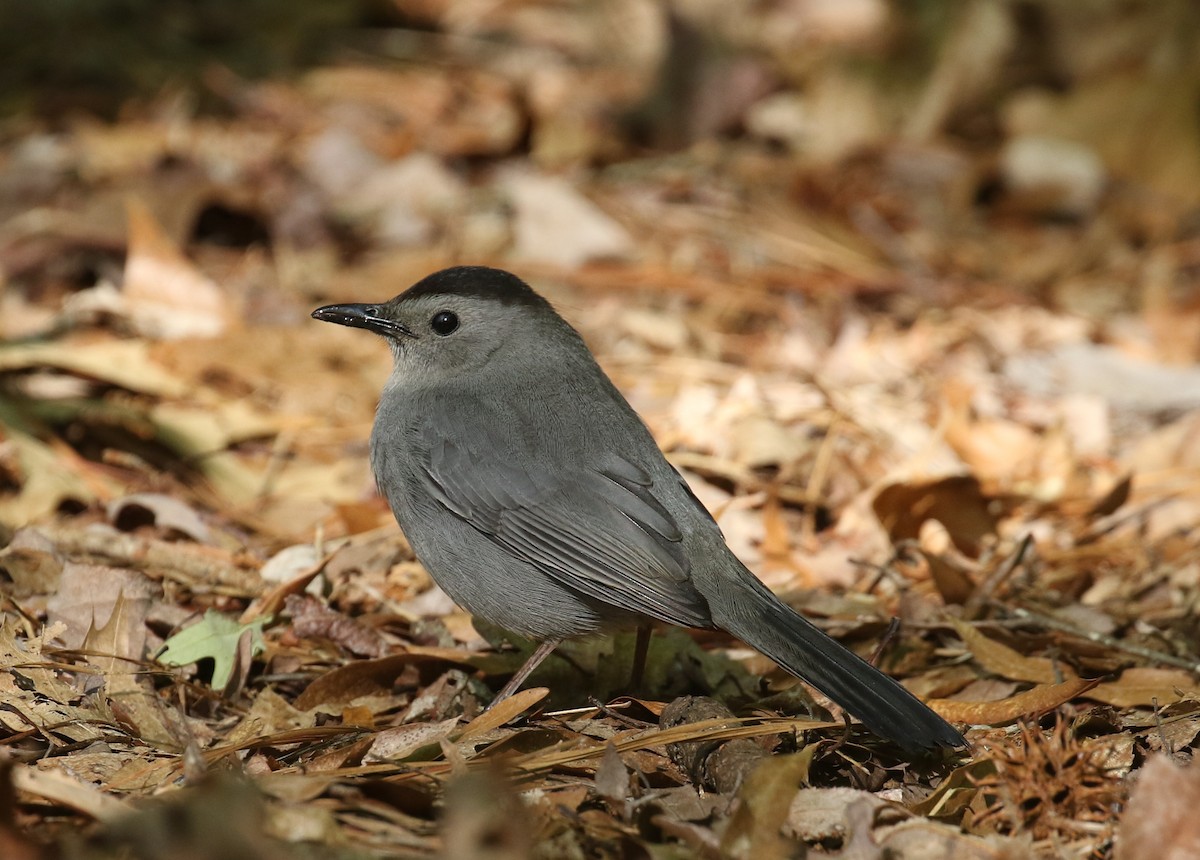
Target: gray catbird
column 536, row 497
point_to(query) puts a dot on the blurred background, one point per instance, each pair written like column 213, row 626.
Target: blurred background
column 909, row 290
column 178, row 176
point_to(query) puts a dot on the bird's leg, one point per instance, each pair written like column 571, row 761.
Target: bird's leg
column 640, row 649
column 535, row 659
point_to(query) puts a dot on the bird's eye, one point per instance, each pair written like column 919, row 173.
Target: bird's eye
column 444, row 322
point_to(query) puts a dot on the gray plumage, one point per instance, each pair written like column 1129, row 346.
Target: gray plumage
column 538, row 500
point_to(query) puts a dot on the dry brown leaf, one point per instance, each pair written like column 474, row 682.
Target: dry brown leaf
column 1145, row 686
column 708, row 730
column 369, row 677
column 503, row 712
column 162, row 292
column 818, row 814
column 765, row 801
column 127, row 364
column 65, row 790
column 312, row 618
column 158, row 509
column 1160, row 821
column 612, row 776
column 87, row 598
column 398, row 743
column 953, row 583
column 1001, row 660
column 1027, row 705
column 958, row 503
column 556, row 224
column 46, row 480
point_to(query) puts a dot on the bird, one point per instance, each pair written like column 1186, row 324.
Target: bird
column 538, row 500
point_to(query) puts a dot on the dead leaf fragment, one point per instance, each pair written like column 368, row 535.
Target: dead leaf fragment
column 555, row 224
column 368, row 677
column 1001, row 660
column 163, row 293
column 1160, row 821
column 612, row 777
column 397, row 744
column 86, row 599
column 485, row 820
column 311, row 618
column 158, row 509
column 817, row 814
column 47, row 480
column 1146, row 686
column 503, row 712
column 764, row 803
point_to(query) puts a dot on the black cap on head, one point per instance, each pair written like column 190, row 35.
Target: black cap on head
column 479, row 282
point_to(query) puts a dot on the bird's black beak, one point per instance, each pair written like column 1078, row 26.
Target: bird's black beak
column 361, row 316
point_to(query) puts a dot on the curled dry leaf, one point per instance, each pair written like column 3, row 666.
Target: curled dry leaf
column 399, row 743
column 503, row 712
column 1027, row 705
column 957, row 502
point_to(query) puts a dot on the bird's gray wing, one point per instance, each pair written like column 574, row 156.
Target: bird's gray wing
column 598, row 530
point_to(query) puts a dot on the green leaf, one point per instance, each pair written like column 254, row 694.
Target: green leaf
column 215, row 637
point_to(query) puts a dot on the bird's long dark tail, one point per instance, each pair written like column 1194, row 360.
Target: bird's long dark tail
column 752, row 613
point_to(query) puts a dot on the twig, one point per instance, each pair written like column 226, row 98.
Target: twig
column 984, row 591
column 886, row 639
column 204, row 567
column 1190, row 664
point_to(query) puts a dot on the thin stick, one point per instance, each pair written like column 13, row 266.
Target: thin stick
column 987, row 588
column 535, row 659
column 1027, row 616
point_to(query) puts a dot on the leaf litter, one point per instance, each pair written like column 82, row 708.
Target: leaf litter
column 912, row 379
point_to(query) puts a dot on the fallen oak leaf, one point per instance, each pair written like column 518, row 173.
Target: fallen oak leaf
column 124, row 363
column 215, row 637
